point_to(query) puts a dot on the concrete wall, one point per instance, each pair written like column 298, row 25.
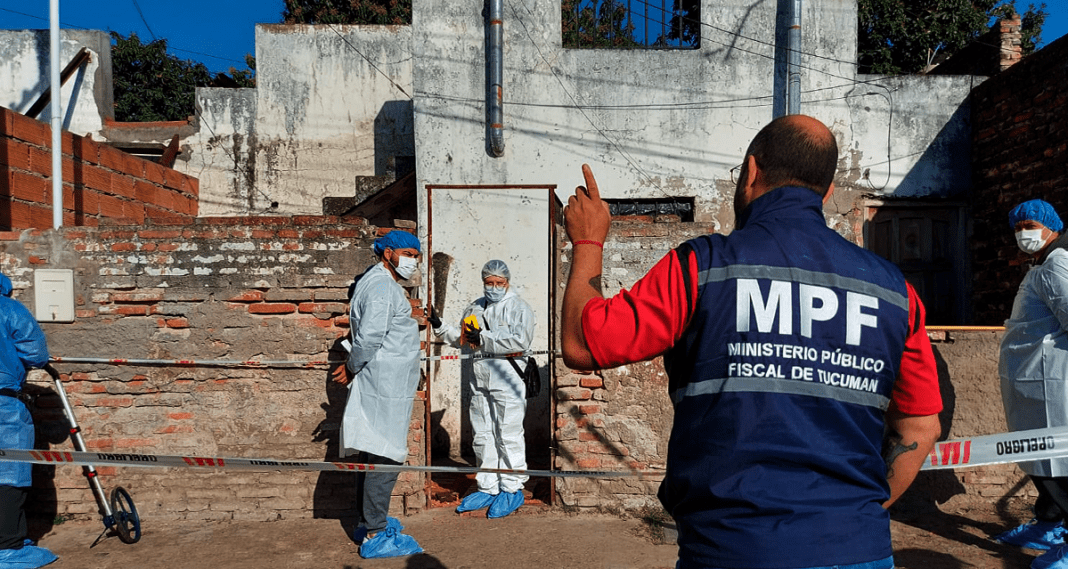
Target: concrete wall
column 331, row 103
column 219, row 289
column 662, row 123
column 87, row 98
column 1020, row 152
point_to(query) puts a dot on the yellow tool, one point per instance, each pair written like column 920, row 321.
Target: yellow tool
column 469, row 323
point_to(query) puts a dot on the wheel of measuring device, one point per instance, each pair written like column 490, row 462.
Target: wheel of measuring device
column 127, row 524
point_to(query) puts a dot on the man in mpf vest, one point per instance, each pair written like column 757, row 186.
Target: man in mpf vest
column 788, row 351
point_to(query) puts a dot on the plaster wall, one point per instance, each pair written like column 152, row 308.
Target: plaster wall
column 333, row 103
column 87, row 96
column 662, row 123
column 224, row 151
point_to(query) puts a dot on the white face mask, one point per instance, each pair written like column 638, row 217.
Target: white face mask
column 1030, row 241
column 495, row 293
column 406, row 267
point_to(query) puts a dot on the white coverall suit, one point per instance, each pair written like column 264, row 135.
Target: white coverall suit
column 1034, row 355
column 498, row 395
column 385, row 360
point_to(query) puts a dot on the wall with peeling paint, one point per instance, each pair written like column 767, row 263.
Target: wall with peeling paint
column 660, row 123
column 331, row 103
column 87, row 95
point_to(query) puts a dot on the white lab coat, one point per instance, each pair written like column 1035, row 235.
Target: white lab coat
column 499, row 397
column 1034, row 355
column 385, row 360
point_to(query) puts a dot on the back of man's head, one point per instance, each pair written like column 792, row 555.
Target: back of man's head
column 796, row 150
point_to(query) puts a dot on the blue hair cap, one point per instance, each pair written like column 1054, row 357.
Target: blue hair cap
column 1036, row 210
column 396, row 240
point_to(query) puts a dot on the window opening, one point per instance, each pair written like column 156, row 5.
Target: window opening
column 631, row 24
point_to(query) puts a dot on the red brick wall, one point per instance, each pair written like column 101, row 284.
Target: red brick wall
column 99, row 182
column 216, row 289
column 1019, row 152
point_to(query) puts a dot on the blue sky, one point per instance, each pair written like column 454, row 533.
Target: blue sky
column 220, row 32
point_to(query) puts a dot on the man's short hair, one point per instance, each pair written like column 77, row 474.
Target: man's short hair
column 789, row 155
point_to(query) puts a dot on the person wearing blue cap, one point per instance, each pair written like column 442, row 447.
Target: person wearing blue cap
column 382, row 372
column 1033, row 367
column 22, row 346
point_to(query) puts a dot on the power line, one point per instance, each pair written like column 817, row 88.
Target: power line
column 368, row 60
column 142, row 14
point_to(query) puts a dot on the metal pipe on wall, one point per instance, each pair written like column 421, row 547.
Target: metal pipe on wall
column 495, row 78
column 793, row 68
column 57, row 117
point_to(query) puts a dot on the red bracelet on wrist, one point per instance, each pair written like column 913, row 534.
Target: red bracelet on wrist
column 588, row 242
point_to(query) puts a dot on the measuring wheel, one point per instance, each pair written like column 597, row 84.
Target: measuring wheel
column 127, row 524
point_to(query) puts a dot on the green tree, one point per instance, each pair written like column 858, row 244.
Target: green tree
column 903, row 36
column 598, row 24
column 375, row 12
column 151, row 85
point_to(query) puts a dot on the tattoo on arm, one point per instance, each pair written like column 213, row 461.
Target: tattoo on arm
column 892, row 449
column 595, row 282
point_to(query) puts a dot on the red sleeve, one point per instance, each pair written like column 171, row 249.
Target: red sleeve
column 643, row 322
column 916, row 389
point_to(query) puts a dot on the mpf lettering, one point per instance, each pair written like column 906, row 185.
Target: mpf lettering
column 816, row 304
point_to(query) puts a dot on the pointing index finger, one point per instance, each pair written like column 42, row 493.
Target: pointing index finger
column 591, row 183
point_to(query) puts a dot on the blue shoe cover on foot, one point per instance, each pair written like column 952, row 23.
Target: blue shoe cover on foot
column 506, row 503
column 1055, row 558
column 389, row 542
column 1034, row 535
column 28, row 556
column 476, row 501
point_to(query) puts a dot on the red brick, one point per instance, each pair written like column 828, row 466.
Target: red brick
column 131, row 297
column 10, row 235
column 135, row 443
column 588, row 463
column 311, row 307
column 148, row 247
column 117, row 247
column 262, row 234
column 159, row 234
column 126, row 401
column 110, row 206
column 288, row 233
column 591, row 382
column 124, row 186
column 30, row 188
column 35, row 260
column 98, row 444
column 14, row 153
column 247, row 296
column 40, row 161
column 272, row 308
column 315, row 220
column 154, row 173
column 84, row 313
column 291, row 247
column 344, row 233
column 32, row 131
column 177, row 323
column 589, row 409
column 86, row 150
column 135, row 211
column 588, row 436
column 170, row 429
column 168, row 247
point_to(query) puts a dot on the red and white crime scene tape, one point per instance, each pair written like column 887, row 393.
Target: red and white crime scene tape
column 174, row 461
column 983, row 450
column 267, row 363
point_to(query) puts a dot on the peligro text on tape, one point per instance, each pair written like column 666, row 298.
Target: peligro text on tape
column 1018, row 446
column 158, row 460
column 270, row 363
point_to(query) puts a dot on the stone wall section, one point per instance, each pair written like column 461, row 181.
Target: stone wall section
column 217, row 289
column 99, row 182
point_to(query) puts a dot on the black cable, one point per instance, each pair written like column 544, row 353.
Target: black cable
column 358, row 52
column 143, row 20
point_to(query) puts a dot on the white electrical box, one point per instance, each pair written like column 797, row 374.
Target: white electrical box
column 54, row 295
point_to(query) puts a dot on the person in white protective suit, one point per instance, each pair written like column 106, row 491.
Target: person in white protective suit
column 498, row 394
column 1034, row 373
column 382, row 372
column 22, row 346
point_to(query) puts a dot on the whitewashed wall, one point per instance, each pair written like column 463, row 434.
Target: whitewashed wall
column 24, row 74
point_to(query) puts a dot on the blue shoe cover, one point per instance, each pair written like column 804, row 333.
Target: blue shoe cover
column 1034, row 535
column 506, row 503
column 1055, row 558
column 476, row 501
column 389, row 542
column 28, row 556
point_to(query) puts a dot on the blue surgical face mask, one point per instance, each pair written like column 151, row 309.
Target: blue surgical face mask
column 495, row 293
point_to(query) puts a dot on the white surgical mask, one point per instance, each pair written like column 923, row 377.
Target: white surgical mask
column 495, row 293
column 406, row 267
column 1030, row 240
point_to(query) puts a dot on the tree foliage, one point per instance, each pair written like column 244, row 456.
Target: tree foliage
column 904, row 36
column 151, row 85
column 374, row 12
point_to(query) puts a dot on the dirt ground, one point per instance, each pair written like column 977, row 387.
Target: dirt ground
column 536, row 536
